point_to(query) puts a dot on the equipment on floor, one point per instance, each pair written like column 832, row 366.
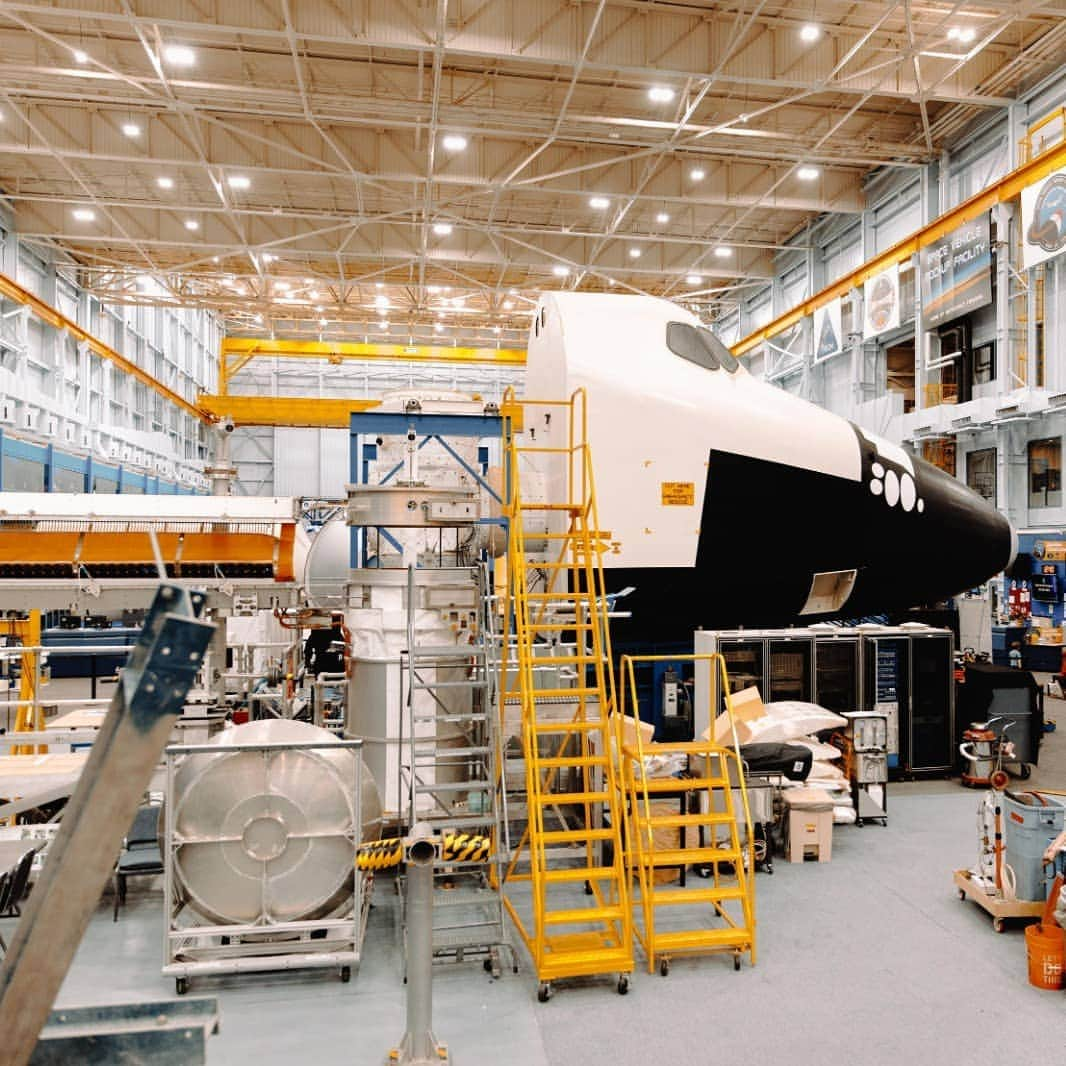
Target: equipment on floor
column 143, row 710
column 1032, row 821
column 261, row 830
column 985, row 751
column 1002, row 697
column 865, row 743
column 810, row 824
column 419, row 1047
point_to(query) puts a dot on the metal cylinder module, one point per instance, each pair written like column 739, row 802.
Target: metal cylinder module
column 266, row 835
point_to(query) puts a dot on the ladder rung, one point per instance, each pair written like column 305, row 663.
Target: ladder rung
column 683, row 747
column 682, row 784
column 442, row 651
column 580, row 873
column 554, row 627
column 573, row 508
column 564, row 798
column 564, row 660
column 688, row 856
column 565, row 762
column 449, row 718
column 575, row 836
column 423, row 686
column 672, row 897
column 583, row 915
column 568, row 727
column 448, row 753
column 456, row 786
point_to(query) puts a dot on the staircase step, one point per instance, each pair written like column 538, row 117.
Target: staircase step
column 564, row 693
column 691, row 747
column 572, row 508
column 667, row 821
column 682, row 784
column 555, row 627
column 583, row 915
column 565, row 660
column 459, row 786
column 581, row 873
column 577, row 954
column 562, row 798
column 688, row 856
column 430, row 686
column 672, row 897
column 701, row 938
column 575, row 836
column 565, row 762
column 588, row 726
column 448, row 753
column 443, row 651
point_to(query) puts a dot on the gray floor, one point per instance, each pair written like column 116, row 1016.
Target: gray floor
column 868, row 959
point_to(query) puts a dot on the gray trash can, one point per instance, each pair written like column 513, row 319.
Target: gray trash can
column 1031, row 823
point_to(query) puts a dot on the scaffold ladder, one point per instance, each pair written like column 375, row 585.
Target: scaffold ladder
column 569, row 757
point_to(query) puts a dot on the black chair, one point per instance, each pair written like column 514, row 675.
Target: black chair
column 5, row 896
column 20, row 879
column 140, row 855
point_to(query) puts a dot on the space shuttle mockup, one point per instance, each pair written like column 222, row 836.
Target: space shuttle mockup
column 731, row 502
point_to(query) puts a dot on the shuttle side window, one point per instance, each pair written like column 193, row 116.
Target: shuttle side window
column 699, row 346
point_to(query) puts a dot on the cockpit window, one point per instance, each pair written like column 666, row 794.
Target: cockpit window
column 699, row 346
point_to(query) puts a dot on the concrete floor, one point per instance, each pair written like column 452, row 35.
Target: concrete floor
column 868, row 959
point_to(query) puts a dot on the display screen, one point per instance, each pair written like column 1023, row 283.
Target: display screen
column 1045, row 588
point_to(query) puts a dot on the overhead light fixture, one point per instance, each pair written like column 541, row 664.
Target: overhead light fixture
column 323, row 322
column 560, row 271
column 693, row 279
column 314, row 294
column 131, row 129
column 457, row 301
column 383, row 323
column 697, row 174
column 810, row 33
column 962, row 34
column 80, row 56
column 377, row 284
column 611, row 282
column 454, row 142
column 214, row 259
column 178, row 55
column 442, row 229
column 191, row 224
column 599, row 203
column 282, row 286
column 239, row 181
column 662, row 218
column 433, row 290
column 661, row 94
column 723, row 252
column 269, row 257
column 634, row 253
column 165, row 183
column 807, row 173
column 497, row 330
column 381, row 302
column 84, row 214
column 438, row 327
column 508, row 305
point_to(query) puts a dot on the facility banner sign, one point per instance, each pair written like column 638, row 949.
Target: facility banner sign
column 1044, row 219
column 828, row 330
column 678, row 493
column 880, row 303
column 957, row 273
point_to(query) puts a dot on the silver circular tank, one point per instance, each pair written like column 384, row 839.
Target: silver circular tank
column 328, row 561
column 266, row 836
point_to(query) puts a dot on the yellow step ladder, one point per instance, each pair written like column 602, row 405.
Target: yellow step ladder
column 718, row 915
column 561, row 676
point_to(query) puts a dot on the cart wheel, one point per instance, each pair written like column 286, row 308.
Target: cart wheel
column 487, row 965
column 769, row 868
column 1025, row 771
column 544, row 993
column 346, row 974
column 664, row 967
column 588, row 888
column 181, row 985
column 961, row 893
column 736, row 962
column 623, row 983
column 704, row 871
column 999, row 925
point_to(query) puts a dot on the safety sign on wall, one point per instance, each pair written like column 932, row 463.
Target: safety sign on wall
column 679, row 493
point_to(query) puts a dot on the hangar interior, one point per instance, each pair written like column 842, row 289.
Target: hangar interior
column 531, row 530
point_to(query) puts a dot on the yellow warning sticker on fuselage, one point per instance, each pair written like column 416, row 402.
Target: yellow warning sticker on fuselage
column 679, row 493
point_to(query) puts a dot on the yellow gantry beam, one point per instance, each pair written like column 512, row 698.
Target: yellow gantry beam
column 314, row 411
column 1007, row 188
column 14, row 291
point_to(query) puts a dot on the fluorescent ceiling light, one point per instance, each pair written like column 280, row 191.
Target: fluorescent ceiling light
column 560, row 271
column 634, row 253
column 454, row 142
column 80, row 56
column 442, row 229
column 693, row 279
column 438, row 327
column 962, row 34
column 697, row 174
column 807, row 173
column 165, row 183
column 508, row 305
column 314, row 294
column 269, row 257
column 323, row 322
column 381, row 302
column 723, row 252
column 599, row 203
column 239, row 181
column 131, row 129
column 84, row 214
column 178, row 55
column 191, row 224
column 433, row 290
column 282, row 286
column 383, row 324
column 810, row 32
column 497, row 330
column 661, row 94
column 662, row 218
column 377, row 284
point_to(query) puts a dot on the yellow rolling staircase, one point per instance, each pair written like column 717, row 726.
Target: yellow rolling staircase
column 557, row 612
column 718, row 915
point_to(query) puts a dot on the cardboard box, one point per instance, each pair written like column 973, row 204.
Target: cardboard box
column 747, row 706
